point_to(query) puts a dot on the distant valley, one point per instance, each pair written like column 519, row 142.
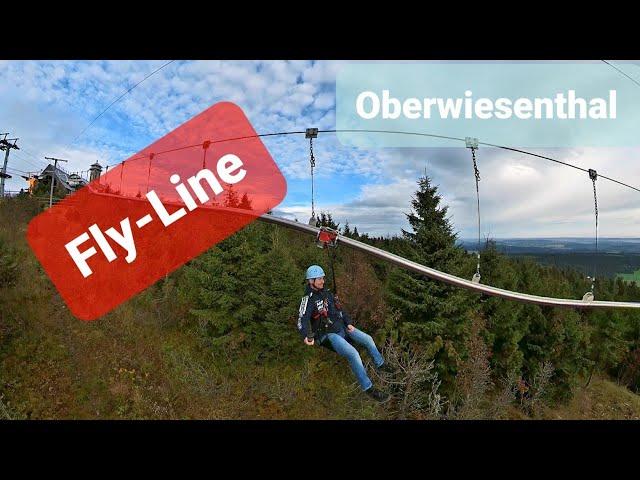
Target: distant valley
column 616, row 256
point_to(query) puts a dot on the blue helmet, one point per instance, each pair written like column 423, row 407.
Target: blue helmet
column 314, row 271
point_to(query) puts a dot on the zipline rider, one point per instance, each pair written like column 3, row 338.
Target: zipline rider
column 319, row 318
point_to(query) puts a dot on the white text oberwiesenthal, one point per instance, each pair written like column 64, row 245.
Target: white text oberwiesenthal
column 370, row 105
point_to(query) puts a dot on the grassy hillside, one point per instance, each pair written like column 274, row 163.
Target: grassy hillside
column 602, row 399
column 145, row 359
column 154, row 358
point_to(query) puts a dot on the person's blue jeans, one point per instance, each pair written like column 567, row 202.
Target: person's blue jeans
column 346, row 350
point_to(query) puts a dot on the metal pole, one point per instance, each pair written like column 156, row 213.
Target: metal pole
column 4, row 171
column 53, row 180
column 53, row 176
column 6, row 146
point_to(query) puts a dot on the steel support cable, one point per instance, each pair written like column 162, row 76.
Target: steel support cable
column 29, row 163
column 312, row 162
column 118, row 99
column 476, row 173
column 430, row 272
column 623, row 73
column 25, row 151
column 502, row 147
column 211, row 142
column 594, row 176
column 9, row 169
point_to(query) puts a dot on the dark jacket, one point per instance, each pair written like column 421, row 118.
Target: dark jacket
column 318, row 314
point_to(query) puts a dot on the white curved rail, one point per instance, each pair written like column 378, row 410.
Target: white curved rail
column 413, row 266
column 451, row 279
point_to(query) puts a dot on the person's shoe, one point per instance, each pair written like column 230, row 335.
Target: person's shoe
column 385, row 367
column 377, row 395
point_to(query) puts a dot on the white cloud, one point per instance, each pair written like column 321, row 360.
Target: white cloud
column 325, row 101
column 47, row 104
column 322, row 72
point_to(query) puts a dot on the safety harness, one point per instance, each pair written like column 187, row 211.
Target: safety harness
column 322, row 314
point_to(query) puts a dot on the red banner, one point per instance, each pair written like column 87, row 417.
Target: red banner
column 158, row 209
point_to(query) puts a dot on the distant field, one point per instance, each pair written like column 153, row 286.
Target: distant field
column 554, row 246
column 630, row 277
column 616, row 257
column 606, row 264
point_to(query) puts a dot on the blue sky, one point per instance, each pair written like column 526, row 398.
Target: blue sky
column 48, row 103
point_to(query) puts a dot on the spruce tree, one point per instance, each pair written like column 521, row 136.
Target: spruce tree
column 432, row 233
column 231, row 200
column 434, row 315
column 326, row 220
column 246, row 288
column 245, row 203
